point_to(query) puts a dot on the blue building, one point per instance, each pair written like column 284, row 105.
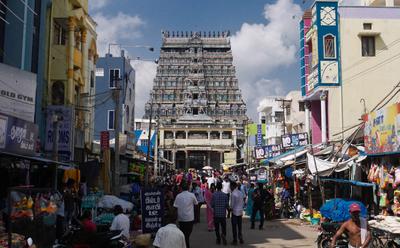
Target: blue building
column 113, row 73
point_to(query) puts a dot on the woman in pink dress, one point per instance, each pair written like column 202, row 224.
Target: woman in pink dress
column 210, row 215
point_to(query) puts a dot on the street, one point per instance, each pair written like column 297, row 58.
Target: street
column 276, row 233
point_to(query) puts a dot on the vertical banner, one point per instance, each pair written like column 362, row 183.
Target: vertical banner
column 152, row 209
column 104, row 140
column 259, row 135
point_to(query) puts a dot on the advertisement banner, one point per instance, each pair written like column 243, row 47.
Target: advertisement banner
column 17, row 135
column 265, row 152
column 17, row 93
column 65, row 130
column 229, row 158
column 294, row 140
column 382, row 130
column 152, row 209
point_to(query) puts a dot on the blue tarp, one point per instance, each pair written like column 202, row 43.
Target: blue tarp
column 338, row 209
column 352, row 182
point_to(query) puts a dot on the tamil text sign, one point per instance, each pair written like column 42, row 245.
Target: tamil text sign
column 294, row 140
column 17, row 135
column 264, row 152
column 152, row 209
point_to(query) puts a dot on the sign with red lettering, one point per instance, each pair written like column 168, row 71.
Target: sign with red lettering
column 104, row 140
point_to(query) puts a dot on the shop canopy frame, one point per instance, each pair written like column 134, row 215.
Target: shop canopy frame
column 60, row 165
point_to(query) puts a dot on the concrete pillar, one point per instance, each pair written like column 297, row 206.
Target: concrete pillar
column 174, row 158
column 209, row 135
column 174, row 134
column 220, row 135
column 70, row 73
column 209, row 158
column 221, row 158
column 323, row 118
column 307, row 118
column 186, row 160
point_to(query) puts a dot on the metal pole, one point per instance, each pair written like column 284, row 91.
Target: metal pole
column 146, row 178
column 55, row 147
column 156, row 152
column 116, row 134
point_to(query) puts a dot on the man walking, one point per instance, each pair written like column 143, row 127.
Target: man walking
column 237, row 212
column 259, row 197
column 220, row 204
column 184, row 203
column 226, row 189
column 169, row 235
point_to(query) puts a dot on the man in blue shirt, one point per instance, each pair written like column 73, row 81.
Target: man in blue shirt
column 220, row 205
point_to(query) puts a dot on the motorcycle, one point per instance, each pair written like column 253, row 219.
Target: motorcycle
column 75, row 236
column 327, row 231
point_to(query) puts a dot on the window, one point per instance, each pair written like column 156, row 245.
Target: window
column 195, row 111
column 59, row 37
column 367, row 26
column 110, row 120
column 144, row 142
column 329, row 46
column 114, row 76
column 57, row 93
column 368, row 46
column 302, row 106
column 92, row 79
column 195, row 96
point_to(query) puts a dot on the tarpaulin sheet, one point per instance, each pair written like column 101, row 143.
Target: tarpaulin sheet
column 324, row 167
column 352, row 182
column 337, row 209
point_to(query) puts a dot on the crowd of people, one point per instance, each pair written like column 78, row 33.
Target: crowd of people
column 226, row 196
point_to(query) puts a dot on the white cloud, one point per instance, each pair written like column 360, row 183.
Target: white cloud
column 351, row 2
column 260, row 49
column 256, row 93
column 145, row 74
column 97, row 4
column 121, row 28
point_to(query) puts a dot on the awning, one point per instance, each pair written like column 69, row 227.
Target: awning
column 287, row 156
column 326, row 168
column 352, row 182
column 61, row 165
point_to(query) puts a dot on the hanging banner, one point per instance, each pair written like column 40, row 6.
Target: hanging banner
column 104, row 140
column 65, row 131
column 152, row 209
column 265, row 152
column 17, row 92
column 294, row 140
column 382, row 130
column 259, row 135
column 17, row 135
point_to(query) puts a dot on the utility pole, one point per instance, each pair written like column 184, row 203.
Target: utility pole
column 146, row 178
column 55, row 145
column 116, row 169
column 284, row 101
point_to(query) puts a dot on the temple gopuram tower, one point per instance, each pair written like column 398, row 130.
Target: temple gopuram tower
column 197, row 101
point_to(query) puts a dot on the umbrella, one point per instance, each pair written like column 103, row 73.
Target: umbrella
column 207, row 167
column 338, row 209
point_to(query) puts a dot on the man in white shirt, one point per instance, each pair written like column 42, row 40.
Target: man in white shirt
column 184, row 203
column 170, row 236
column 120, row 222
column 236, row 205
column 211, row 180
column 226, row 188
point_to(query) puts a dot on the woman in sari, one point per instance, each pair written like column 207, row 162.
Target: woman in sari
column 210, row 214
column 250, row 203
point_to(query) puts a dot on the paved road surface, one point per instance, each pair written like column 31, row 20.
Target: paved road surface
column 277, row 233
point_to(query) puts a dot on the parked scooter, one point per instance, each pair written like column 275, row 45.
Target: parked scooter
column 327, row 231
column 75, row 236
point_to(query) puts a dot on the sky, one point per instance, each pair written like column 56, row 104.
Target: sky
column 264, row 39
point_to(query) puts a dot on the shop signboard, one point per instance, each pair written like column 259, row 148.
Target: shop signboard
column 152, row 209
column 230, row 158
column 382, row 130
column 65, row 116
column 294, row 140
column 17, row 93
column 270, row 151
column 259, row 135
column 17, row 135
column 104, row 140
